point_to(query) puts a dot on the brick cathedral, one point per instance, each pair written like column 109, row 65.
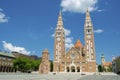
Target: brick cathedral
column 79, row 58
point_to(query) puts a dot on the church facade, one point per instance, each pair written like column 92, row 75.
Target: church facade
column 79, row 58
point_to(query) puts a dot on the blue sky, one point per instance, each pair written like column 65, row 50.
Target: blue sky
column 28, row 25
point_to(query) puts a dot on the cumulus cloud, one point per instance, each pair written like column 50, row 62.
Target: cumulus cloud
column 53, row 35
column 68, row 42
column 98, row 31
column 3, row 17
column 79, row 6
column 68, row 39
column 67, row 32
column 10, row 47
column 100, row 10
column 1, row 9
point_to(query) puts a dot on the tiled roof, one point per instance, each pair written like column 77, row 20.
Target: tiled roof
column 106, row 64
column 7, row 54
column 78, row 44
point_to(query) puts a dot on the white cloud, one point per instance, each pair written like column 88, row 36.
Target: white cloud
column 3, row 17
column 68, row 42
column 98, row 31
column 67, row 32
column 100, row 10
column 10, row 47
column 1, row 9
column 79, row 6
column 53, row 35
column 68, row 39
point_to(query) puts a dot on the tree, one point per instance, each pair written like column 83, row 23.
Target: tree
column 24, row 64
column 100, row 68
column 51, row 66
column 36, row 64
column 109, row 68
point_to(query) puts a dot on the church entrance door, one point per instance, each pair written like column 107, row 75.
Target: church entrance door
column 72, row 69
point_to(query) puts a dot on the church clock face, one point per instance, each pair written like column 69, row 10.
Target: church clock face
column 72, row 56
column 88, row 36
column 58, row 39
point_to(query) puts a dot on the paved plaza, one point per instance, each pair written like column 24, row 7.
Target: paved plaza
column 23, row 76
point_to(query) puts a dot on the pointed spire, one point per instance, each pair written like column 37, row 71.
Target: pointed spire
column 60, row 16
column 88, row 21
column 60, row 22
column 87, row 15
column 60, row 13
column 78, row 44
column 102, row 55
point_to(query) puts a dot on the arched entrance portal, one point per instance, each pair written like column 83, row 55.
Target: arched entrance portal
column 72, row 69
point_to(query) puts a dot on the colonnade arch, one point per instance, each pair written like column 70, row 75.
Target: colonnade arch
column 73, row 69
column 6, row 69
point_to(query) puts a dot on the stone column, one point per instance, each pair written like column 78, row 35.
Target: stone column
column 2, row 68
column 75, row 69
column 81, row 68
column 65, row 69
column 69, row 69
column 9, row 68
column 6, row 68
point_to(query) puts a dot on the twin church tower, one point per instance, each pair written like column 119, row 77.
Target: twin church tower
column 79, row 58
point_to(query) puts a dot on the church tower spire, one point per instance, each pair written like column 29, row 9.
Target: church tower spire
column 89, row 38
column 87, row 15
column 60, row 22
column 59, row 45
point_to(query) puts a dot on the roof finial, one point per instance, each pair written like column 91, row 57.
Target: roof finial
column 60, row 22
column 87, row 14
column 60, row 12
